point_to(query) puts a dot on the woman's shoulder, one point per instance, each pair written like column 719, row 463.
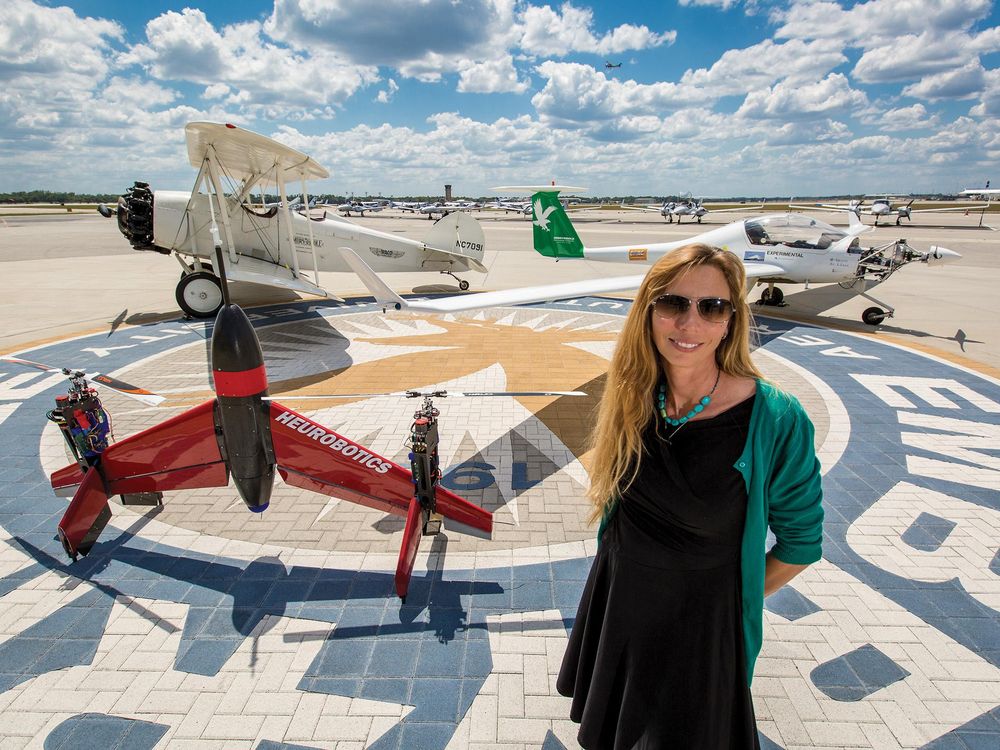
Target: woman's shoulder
column 780, row 403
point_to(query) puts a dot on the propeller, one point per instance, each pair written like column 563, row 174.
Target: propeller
column 126, row 389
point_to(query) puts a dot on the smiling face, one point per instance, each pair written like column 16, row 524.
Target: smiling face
column 688, row 341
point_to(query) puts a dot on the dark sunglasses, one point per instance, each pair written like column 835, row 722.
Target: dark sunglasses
column 711, row 309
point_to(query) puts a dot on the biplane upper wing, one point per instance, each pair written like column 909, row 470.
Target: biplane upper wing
column 180, row 453
column 316, row 458
column 244, row 152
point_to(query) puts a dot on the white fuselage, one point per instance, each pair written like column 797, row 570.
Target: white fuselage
column 799, row 264
column 185, row 229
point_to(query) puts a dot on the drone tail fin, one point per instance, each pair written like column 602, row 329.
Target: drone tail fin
column 86, row 517
column 553, row 233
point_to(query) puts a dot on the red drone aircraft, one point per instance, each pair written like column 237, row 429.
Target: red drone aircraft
column 245, row 434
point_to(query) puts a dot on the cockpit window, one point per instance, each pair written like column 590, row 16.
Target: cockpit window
column 792, row 230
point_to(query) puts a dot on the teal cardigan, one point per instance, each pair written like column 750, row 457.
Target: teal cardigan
column 784, row 492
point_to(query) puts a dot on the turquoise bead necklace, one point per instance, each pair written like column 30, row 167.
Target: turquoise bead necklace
column 661, row 403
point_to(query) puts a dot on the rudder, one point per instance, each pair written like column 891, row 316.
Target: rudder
column 553, row 233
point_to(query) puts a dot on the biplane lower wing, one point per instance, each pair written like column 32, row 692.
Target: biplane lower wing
column 180, row 453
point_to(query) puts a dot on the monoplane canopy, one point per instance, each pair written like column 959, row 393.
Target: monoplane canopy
column 244, row 153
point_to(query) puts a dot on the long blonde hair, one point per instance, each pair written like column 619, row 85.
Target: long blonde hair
column 627, row 404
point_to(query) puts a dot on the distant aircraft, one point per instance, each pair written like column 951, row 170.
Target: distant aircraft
column 883, row 206
column 608, row 64
column 359, row 207
column 776, row 248
column 687, row 207
column 985, row 192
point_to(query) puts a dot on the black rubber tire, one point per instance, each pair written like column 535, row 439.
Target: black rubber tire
column 772, row 297
column 873, row 316
column 463, row 285
column 195, row 294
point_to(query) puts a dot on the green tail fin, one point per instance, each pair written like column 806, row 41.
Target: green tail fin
column 553, row 232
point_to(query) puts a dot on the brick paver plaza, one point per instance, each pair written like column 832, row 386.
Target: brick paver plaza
column 201, row 625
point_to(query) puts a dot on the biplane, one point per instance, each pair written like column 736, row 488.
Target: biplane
column 267, row 243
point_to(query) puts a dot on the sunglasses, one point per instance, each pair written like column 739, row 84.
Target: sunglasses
column 711, row 309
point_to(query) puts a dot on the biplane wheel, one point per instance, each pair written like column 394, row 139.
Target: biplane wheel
column 873, row 316
column 463, row 285
column 199, row 294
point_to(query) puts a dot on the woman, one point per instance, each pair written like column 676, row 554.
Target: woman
column 694, row 457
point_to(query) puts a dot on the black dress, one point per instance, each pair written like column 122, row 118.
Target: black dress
column 656, row 660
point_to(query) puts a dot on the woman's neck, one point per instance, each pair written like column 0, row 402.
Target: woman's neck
column 687, row 385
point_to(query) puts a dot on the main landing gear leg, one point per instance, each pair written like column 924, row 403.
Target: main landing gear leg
column 462, row 283
column 875, row 315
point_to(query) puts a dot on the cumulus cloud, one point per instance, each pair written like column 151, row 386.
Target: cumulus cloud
column 577, row 94
column 963, row 83
column 552, row 33
column 898, row 119
column 185, row 46
column 912, row 56
column 740, row 70
column 393, row 34
column 429, row 39
column 492, row 77
column 989, row 102
column 875, row 19
column 832, row 95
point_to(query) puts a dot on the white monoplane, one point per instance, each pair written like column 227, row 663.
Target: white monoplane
column 884, row 207
column 776, row 248
column 271, row 245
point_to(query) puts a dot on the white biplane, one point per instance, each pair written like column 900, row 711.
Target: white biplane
column 269, row 244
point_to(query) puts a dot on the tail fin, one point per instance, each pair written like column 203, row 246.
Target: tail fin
column 553, row 232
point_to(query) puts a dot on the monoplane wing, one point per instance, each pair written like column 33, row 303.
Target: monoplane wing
column 316, row 458
column 386, row 297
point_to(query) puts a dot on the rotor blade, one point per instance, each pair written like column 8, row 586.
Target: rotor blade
column 418, row 394
column 29, row 363
column 127, row 389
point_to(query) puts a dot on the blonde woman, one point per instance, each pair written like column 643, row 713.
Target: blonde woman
column 695, row 456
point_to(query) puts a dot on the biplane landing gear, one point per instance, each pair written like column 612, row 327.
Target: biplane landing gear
column 874, row 315
column 462, row 283
column 199, row 294
column 772, row 296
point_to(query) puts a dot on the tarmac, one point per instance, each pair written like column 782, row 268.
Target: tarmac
column 200, row 625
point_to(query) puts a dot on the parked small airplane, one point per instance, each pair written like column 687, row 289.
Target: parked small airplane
column 883, row 207
column 244, row 434
column 273, row 246
column 775, row 248
column 358, row 208
column 687, row 207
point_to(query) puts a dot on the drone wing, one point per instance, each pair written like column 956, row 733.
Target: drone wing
column 316, row 458
column 179, row 453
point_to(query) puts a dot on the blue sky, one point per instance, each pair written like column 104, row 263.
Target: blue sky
column 715, row 97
